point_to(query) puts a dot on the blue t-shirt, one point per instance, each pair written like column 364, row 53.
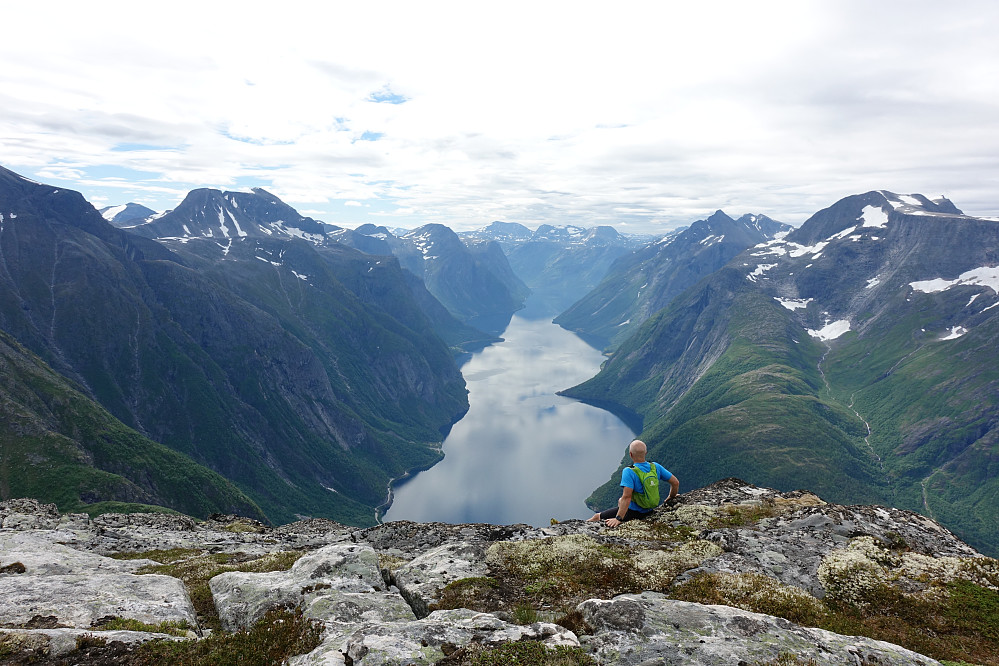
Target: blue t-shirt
column 630, row 480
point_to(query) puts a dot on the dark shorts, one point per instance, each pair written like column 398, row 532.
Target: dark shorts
column 631, row 515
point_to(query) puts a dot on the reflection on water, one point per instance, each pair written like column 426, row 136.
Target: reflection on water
column 522, row 454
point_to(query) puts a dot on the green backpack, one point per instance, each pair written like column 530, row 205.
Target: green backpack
column 649, row 499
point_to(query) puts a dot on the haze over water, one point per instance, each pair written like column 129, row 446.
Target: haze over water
column 521, row 454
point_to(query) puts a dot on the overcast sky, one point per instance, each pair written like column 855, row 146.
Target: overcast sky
column 644, row 115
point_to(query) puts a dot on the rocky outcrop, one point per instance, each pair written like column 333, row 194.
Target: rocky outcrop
column 407, row 593
column 332, row 582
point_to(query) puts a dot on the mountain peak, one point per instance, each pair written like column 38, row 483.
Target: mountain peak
column 718, row 216
column 877, row 209
column 917, row 204
column 123, row 214
column 211, row 213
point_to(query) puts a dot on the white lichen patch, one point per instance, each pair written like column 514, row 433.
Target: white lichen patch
column 697, row 516
column 752, row 591
column 801, row 501
column 656, row 569
column 579, row 555
column 851, row 573
column 536, row 556
column 982, row 571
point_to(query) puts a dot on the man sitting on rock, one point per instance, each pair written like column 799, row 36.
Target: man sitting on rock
column 641, row 488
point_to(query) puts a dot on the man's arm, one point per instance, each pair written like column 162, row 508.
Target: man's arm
column 622, row 506
column 674, row 487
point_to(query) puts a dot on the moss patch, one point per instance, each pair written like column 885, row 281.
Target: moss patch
column 129, row 624
column 280, row 634
column 557, row 573
column 754, row 592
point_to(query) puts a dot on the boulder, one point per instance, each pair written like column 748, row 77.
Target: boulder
column 243, row 598
column 59, row 642
column 78, row 600
column 421, row 580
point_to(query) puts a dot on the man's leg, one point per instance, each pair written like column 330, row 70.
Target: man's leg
column 603, row 515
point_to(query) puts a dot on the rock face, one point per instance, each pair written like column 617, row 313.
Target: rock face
column 407, row 593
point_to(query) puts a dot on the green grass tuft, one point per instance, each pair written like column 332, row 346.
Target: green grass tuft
column 276, row 637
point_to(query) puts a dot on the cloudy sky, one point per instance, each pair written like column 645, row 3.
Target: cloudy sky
column 644, row 115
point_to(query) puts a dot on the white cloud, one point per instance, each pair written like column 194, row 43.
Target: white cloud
column 646, row 114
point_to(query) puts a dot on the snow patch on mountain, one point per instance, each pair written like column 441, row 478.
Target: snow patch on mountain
column 814, row 250
column 759, row 271
column 955, row 332
column 109, row 213
column 984, row 276
column 873, row 216
column 831, row 331
column 295, row 232
column 794, row 303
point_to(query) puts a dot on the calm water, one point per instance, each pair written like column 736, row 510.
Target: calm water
column 522, row 454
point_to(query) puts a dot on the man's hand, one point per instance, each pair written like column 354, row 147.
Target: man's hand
column 612, row 522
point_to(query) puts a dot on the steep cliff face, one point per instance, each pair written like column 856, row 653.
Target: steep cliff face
column 727, row 574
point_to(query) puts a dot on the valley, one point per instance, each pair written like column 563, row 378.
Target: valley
column 309, row 365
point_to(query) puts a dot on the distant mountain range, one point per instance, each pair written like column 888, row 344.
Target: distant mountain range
column 473, row 281
column 559, row 264
column 855, row 356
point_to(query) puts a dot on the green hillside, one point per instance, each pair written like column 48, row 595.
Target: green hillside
column 59, row 446
column 745, row 402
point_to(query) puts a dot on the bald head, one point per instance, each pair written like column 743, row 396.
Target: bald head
column 637, row 450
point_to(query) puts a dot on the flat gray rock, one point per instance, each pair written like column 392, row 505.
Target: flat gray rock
column 59, row 642
column 420, row 642
column 75, row 588
column 77, row 600
column 649, row 628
